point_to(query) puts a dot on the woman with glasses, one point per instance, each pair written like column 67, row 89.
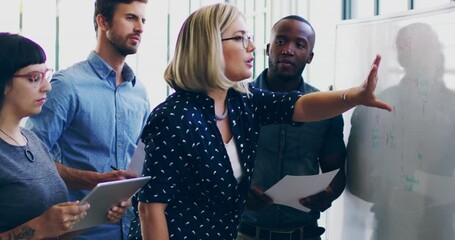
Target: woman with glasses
column 201, row 141
column 33, row 197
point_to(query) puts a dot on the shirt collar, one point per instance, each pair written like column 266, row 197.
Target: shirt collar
column 261, row 83
column 103, row 69
column 203, row 99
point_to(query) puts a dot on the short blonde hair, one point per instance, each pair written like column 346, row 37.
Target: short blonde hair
column 198, row 63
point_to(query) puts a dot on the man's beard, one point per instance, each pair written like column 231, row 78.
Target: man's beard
column 288, row 76
column 121, row 46
column 285, row 76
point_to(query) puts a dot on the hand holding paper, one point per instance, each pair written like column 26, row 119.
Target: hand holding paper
column 289, row 190
column 320, row 201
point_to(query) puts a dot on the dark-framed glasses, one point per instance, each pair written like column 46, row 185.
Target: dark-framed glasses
column 35, row 78
column 245, row 38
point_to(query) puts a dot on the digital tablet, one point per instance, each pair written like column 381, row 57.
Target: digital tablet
column 106, row 195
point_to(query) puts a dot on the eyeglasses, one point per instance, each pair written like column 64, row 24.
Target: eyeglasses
column 244, row 38
column 35, row 78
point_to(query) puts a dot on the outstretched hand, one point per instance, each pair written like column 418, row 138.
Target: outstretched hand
column 364, row 94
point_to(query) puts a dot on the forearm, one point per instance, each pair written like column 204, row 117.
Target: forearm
column 338, row 183
column 81, row 179
column 78, row 179
column 332, row 162
column 153, row 221
column 322, row 105
column 27, row 231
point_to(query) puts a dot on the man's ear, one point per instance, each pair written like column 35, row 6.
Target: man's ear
column 310, row 58
column 102, row 22
column 267, row 48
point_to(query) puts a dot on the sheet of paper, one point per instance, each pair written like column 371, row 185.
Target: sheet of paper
column 137, row 162
column 290, row 189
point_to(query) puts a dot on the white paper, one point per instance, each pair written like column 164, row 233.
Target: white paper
column 290, row 189
column 137, row 162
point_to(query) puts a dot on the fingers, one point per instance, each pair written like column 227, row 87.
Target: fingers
column 65, row 204
column 320, row 201
column 372, row 79
column 129, row 174
column 256, row 190
column 122, row 174
column 75, row 212
column 260, row 195
column 373, row 75
column 126, row 203
column 116, row 213
column 117, row 175
column 75, row 208
column 73, row 219
column 371, row 86
column 257, row 199
column 377, row 60
column 383, row 105
column 317, row 204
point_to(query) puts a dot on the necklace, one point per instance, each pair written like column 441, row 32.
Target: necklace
column 27, row 151
column 222, row 116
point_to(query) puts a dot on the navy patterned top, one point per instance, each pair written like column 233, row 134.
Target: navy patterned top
column 189, row 165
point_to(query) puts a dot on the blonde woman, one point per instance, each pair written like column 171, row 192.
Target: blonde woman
column 201, row 141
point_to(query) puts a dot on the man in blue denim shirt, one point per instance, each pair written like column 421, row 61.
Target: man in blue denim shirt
column 95, row 113
column 292, row 150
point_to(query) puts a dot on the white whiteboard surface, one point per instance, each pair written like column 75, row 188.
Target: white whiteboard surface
column 400, row 166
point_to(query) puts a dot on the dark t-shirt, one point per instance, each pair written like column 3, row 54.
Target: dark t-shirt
column 27, row 189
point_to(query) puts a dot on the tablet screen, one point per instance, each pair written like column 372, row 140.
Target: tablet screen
column 106, row 195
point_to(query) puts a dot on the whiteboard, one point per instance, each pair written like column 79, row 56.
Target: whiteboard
column 400, row 166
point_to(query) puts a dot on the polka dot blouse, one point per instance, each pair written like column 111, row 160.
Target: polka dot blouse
column 190, row 169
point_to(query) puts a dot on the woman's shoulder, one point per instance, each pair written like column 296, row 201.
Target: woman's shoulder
column 174, row 103
column 29, row 134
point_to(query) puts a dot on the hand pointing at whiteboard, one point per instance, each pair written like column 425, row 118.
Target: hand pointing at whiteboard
column 322, row 105
column 364, row 94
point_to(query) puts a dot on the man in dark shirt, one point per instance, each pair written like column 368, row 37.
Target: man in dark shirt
column 285, row 149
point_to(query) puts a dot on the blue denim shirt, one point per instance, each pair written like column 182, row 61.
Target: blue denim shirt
column 89, row 123
column 283, row 150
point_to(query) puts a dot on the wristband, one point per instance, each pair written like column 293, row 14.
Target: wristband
column 344, row 98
